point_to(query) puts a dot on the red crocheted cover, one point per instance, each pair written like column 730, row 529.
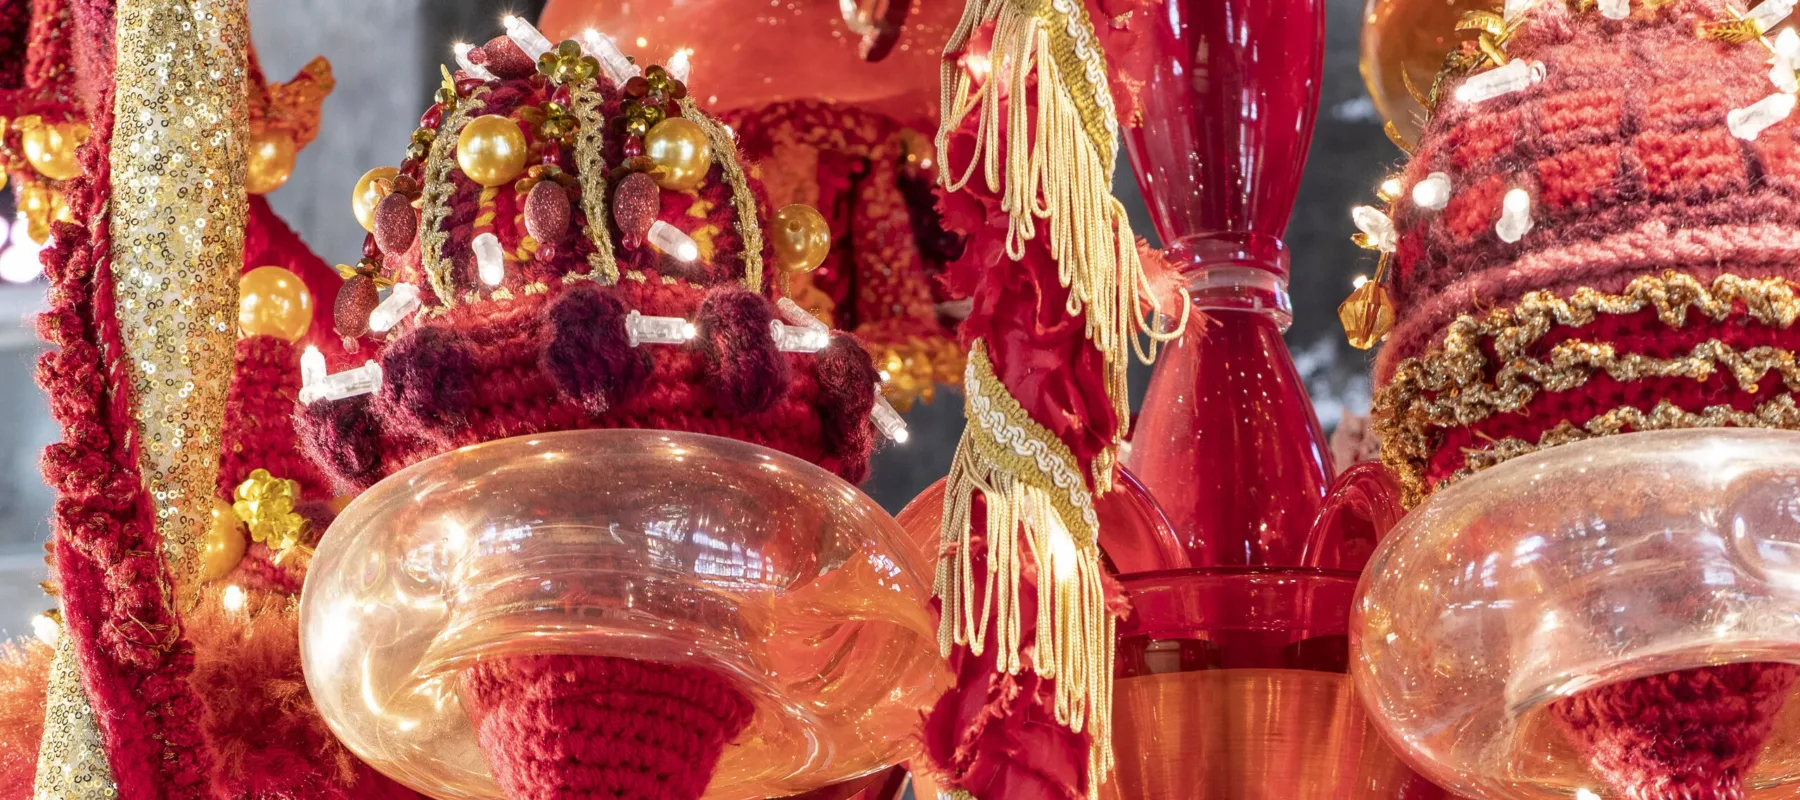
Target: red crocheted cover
column 1634, row 177
column 560, row 727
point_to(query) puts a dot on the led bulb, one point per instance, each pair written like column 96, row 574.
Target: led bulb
column 1432, row 193
column 1515, row 216
column 887, row 420
column 526, row 36
column 233, row 598
column 401, row 302
column 44, row 627
column 490, row 259
column 1770, row 13
column 1516, row 75
column 1615, row 9
column 1785, row 61
column 678, row 66
column 795, row 315
column 1358, row 282
column 797, row 338
column 671, row 240
column 613, row 62
column 1749, row 122
column 362, row 380
column 474, row 70
column 645, row 329
column 312, row 367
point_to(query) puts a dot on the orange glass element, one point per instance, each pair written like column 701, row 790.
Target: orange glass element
column 1407, row 40
column 650, row 545
column 749, row 53
column 1250, row 734
column 1574, row 567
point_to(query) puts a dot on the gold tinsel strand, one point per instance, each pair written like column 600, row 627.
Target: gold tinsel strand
column 178, row 208
column 743, row 202
column 590, row 136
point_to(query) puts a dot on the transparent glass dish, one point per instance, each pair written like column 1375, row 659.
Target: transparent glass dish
column 652, row 545
column 1573, row 567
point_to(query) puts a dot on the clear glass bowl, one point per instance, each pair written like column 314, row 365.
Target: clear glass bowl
column 1573, row 567
column 652, row 545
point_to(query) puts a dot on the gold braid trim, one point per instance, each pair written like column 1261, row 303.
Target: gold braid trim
column 1058, row 162
column 434, row 205
column 1449, row 387
column 590, row 134
column 743, row 201
column 1778, row 412
column 1037, row 504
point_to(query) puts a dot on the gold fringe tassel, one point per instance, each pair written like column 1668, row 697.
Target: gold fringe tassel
column 1037, row 504
column 1058, row 167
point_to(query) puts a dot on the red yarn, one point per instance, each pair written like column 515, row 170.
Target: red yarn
column 269, row 242
column 560, row 727
column 1690, row 735
column 258, row 428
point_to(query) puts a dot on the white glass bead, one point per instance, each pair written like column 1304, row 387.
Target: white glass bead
column 671, row 240
column 1515, row 216
column 1375, row 225
column 1749, row 122
column 1432, row 193
column 642, row 329
column 402, row 301
column 526, row 36
column 1515, row 76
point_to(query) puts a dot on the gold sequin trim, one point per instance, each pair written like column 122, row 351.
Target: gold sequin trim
column 590, row 136
column 434, row 198
column 743, row 202
column 180, row 141
column 71, row 763
column 1449, row 387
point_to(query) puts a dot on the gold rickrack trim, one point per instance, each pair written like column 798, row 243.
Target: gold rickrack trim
column 743, row 201
column 1778, row 412
column 434, row 198
column 1448, row 386
column 585, row 103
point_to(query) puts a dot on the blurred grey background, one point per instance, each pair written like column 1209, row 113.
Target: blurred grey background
column 385, row 54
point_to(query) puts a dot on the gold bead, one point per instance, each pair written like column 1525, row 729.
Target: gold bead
column 224, row 544
column 274, row 302
column 801, row 236
column 271, row 161
column 679, row 146
column 370, row 188
column 51, row 147
column 491, row 150
column 38, row 204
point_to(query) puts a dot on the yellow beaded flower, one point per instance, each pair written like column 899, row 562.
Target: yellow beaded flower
column 265, row 504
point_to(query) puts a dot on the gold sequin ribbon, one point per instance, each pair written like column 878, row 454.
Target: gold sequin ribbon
column 1458, row 383
column 71, row 761
column 178, row 208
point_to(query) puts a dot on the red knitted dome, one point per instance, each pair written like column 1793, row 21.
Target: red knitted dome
column 1653, row 289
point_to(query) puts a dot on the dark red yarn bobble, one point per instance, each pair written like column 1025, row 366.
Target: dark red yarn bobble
column 745, row 370
column 588, row 352
column 428, row 375
column 847, row 379
column 558, row 727
column 344, row 436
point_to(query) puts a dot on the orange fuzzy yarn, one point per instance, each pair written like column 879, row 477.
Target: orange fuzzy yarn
column 24, row 668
